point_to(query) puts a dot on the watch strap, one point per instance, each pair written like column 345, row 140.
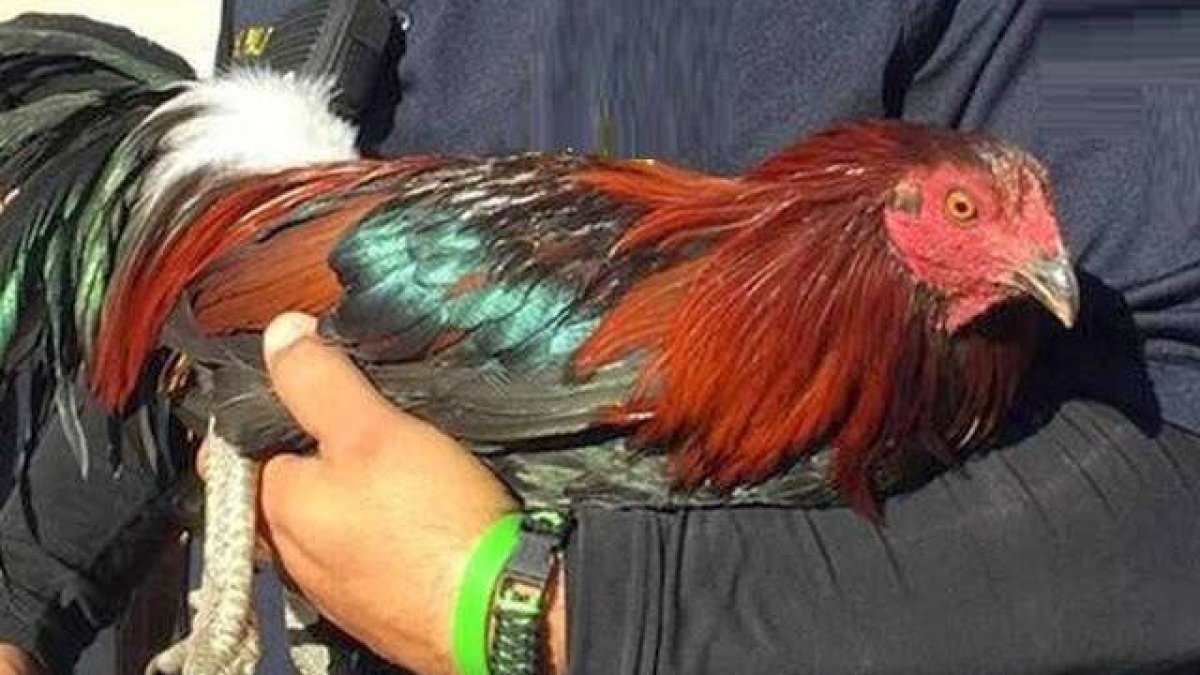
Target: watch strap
column 519, row 602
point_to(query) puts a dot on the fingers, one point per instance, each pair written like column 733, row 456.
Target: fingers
column 358, row 431
column 323, row 390
column 284, row 479
column 202, row 461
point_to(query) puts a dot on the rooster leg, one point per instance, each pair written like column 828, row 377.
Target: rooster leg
column 309, row 655
column 224, row 636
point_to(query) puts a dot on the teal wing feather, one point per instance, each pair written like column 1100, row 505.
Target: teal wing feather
column 467, row 296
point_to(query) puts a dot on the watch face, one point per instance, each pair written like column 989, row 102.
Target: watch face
column 519, row 597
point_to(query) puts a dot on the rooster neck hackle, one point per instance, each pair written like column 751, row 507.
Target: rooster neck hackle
column 797, row 325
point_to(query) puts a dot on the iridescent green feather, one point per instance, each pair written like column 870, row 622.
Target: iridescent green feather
column 407, row 265
column 101, row 219
column 70, row 93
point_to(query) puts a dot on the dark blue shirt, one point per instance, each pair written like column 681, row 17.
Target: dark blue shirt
column 1075, row 548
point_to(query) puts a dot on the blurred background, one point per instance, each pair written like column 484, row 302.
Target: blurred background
column 186, row 27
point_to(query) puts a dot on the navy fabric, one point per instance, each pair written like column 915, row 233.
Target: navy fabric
column 73, row 547
column 1120, row 127
column 1074, row 548
column 1071, row 551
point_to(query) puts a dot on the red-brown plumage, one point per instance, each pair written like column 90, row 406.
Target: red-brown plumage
column 145, row 295
column 771, row 341
column 247, row 289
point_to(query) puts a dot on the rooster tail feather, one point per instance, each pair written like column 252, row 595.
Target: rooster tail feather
column 72, row 90
column 93, row 140
column 250, row 121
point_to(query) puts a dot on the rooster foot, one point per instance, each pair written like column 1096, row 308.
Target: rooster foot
column 224, row 639
column 308, row 654
column 204, row 652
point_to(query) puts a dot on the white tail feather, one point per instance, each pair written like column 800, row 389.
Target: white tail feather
column 252, row 121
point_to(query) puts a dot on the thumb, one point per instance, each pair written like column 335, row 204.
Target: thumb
column 322, row 389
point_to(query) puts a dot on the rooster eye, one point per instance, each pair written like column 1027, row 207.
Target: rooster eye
column 960, row 206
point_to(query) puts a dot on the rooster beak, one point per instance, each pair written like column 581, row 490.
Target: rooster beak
column 1051, row 282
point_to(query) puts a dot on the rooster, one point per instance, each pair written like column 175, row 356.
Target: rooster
column 627, row 332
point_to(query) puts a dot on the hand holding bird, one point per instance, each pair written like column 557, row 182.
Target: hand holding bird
column 388, row 507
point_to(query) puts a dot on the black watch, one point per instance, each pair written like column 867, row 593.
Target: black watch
column 519, row 600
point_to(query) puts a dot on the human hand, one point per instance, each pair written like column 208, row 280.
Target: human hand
column 375, row 528
column 15, row 661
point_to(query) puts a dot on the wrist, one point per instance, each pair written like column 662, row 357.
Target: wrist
column 473, row 630
column 556, row 621
column 510, row 614
column 412, row 631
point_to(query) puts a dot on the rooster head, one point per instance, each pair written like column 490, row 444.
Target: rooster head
column 980, row 230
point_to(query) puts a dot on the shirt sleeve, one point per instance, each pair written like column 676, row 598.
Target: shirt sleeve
column 1074, row 550
column 69, row 565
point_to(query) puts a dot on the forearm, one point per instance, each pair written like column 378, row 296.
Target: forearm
column 1077, row 549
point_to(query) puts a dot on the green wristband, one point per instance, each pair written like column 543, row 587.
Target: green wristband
column 471, row 613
